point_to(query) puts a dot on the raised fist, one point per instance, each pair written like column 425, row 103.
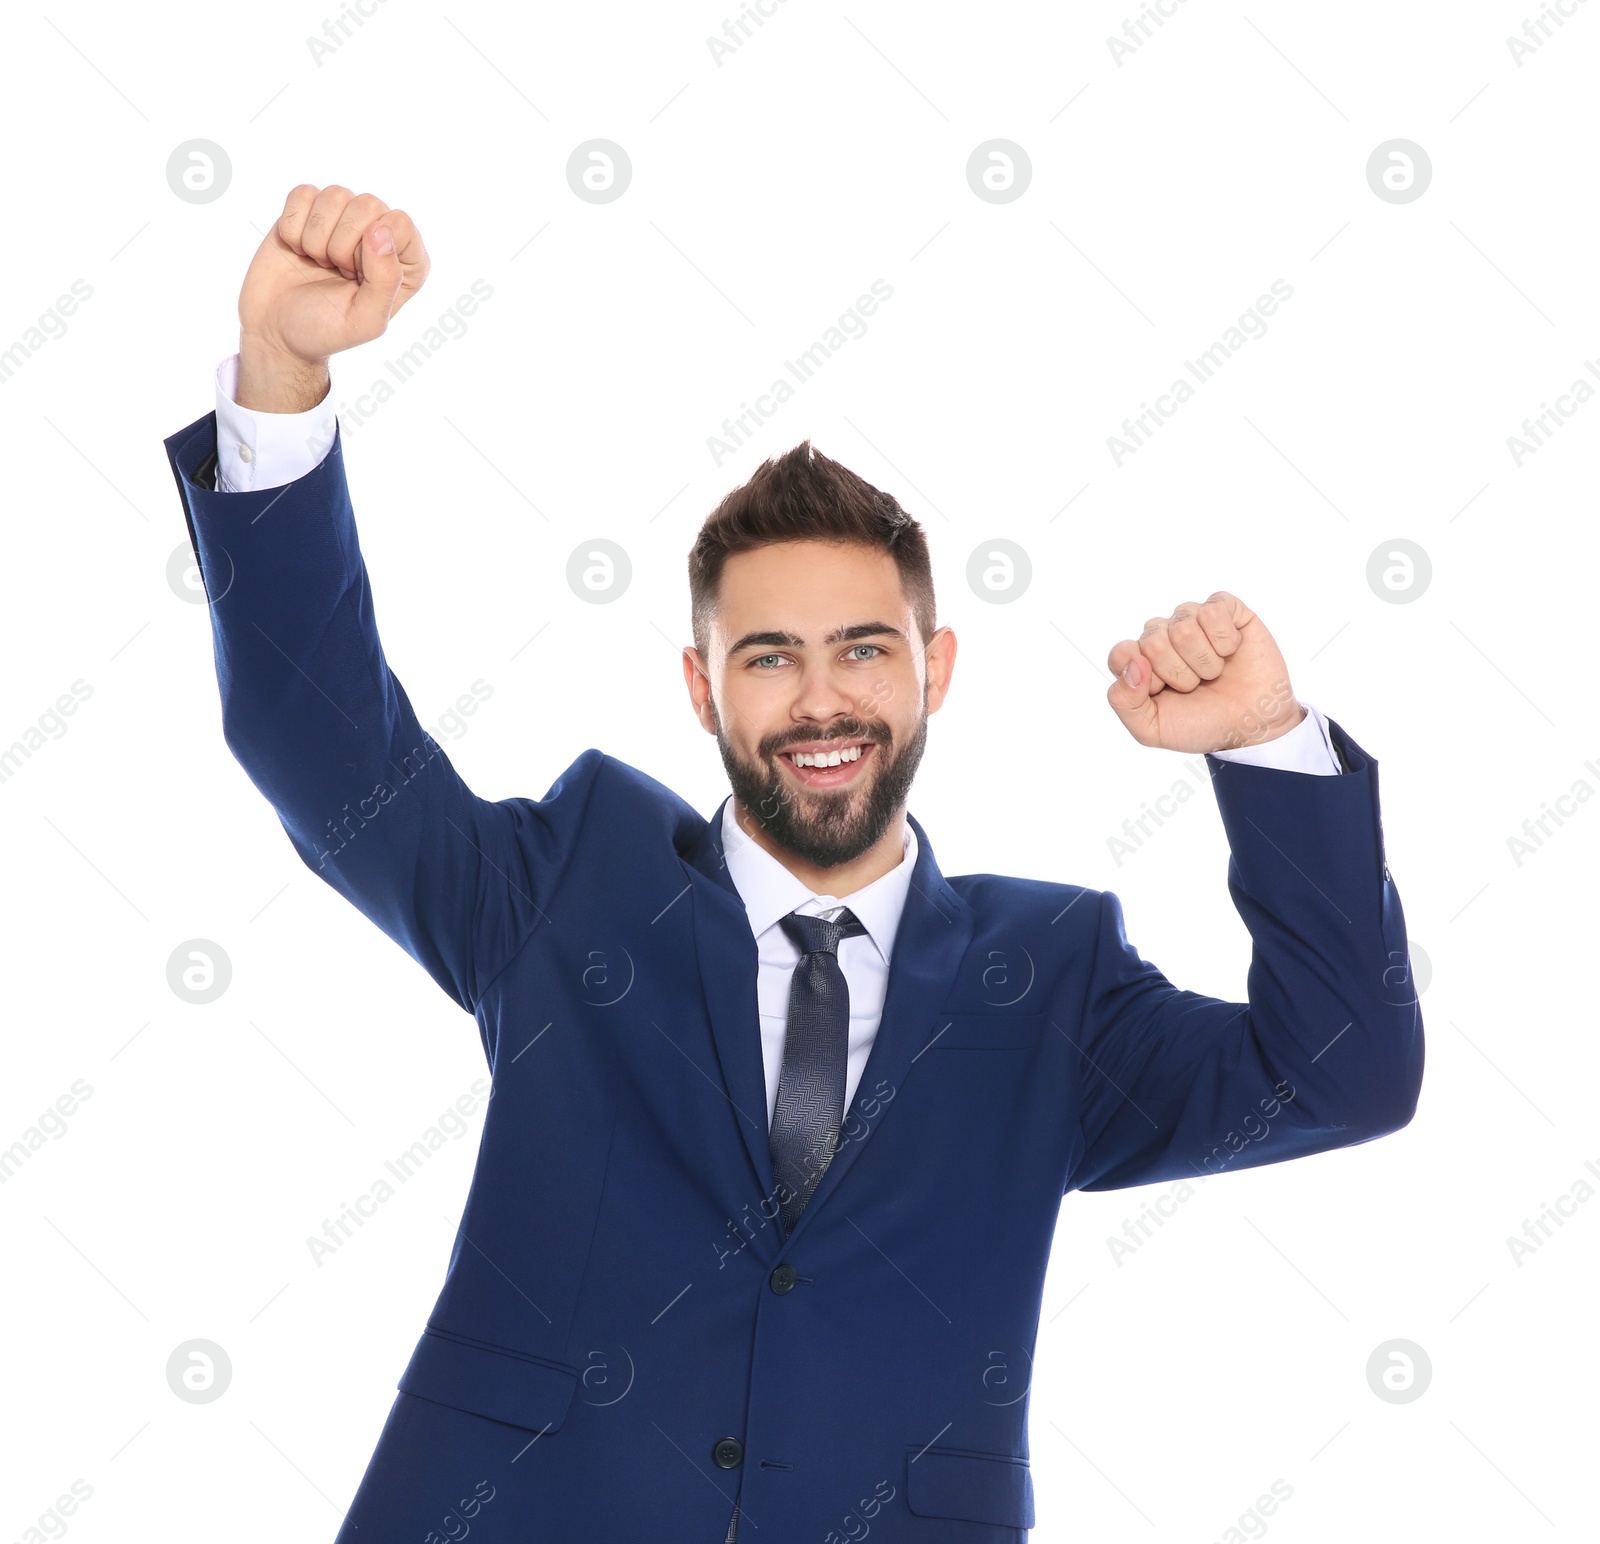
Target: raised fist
column 329, row 275
column 1208, row 678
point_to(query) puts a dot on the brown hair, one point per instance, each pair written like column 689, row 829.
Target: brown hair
column 802, row 495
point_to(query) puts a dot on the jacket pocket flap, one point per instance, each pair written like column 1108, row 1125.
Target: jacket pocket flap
column 487, row 1380
column 976, row 1487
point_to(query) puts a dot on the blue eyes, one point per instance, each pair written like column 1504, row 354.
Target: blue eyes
column 760, row 660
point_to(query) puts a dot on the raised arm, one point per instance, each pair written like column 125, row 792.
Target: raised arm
column 1328, row 1050
column 310, row 707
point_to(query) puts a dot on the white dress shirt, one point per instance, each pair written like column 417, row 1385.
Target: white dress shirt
column 770, row 892
column 257, row 450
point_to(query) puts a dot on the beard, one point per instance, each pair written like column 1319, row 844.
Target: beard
column 826, row 826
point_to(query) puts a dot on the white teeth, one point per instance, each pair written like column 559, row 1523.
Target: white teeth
column 828, row 759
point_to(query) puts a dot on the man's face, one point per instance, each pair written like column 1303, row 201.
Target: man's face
column 813, row 649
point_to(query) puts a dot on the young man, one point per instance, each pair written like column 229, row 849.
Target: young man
column 782, row 1116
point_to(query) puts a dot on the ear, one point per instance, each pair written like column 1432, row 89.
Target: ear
column 698, row 681
column 939, row 659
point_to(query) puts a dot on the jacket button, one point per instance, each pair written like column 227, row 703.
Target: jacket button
column 783, row 1279
column 728, row 1453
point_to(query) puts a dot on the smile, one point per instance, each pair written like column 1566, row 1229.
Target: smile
column 830, row 759
column 827, row 767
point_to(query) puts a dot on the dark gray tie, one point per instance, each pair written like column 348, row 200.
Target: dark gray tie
column 811, row 1082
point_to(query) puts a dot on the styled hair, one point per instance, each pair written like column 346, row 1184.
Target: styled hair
column 802, row 495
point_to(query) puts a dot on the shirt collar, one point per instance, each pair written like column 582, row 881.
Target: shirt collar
column 770, row 892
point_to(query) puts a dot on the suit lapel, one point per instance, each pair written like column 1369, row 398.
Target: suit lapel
column 935, row 931
column 726, row 950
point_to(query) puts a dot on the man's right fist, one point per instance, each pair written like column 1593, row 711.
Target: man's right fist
column 328, row 276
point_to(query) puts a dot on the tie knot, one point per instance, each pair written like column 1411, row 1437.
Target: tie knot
column 817, row 935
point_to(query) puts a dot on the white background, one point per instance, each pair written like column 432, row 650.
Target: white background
column 768, row 192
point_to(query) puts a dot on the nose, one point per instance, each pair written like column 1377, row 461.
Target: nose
column 821, row 698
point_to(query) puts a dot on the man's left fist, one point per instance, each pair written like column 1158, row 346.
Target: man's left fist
column 1229, row 684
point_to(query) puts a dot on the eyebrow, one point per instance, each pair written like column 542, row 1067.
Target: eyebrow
column 778, row 640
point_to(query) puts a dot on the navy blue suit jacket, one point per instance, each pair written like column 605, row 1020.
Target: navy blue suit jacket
column 620, row 1298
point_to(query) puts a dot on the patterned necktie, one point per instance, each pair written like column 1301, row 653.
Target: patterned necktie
column 811, row 1083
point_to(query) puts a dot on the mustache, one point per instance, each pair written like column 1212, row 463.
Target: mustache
column 859, row 729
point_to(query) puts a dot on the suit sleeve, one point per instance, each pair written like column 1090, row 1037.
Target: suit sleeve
column 1327, row 1052
column 315, row 716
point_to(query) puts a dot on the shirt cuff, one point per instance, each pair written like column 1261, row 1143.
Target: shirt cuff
column 1305, row 748
column 257, row 450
